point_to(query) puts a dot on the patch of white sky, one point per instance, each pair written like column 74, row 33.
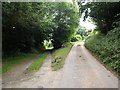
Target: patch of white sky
column 88, row 23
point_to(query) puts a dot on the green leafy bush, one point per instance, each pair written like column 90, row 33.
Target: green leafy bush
column 76, row 38
column 107, row 48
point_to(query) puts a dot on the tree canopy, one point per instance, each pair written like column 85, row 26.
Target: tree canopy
column 25, row 25
column 103, row 14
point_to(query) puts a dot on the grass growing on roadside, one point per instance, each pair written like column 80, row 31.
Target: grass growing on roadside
column 75, row 42
column 37, row 63
column 9, row 62
column 59, row 56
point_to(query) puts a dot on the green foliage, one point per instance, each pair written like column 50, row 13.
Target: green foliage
column 67, row 20
column 25, row 25
column 103, row 14
column 104, row 43
column 48, row 44
column 37, row 63
column 76, row 38
column 59, row 56
column 107, row 48
column 83, row 32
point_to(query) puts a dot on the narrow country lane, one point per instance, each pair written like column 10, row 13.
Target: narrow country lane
column 81, row 70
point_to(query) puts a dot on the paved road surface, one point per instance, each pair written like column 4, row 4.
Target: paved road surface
column 81, row 70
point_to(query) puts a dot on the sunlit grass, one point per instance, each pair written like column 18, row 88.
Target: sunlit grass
column 37, row 63
column 59, row 57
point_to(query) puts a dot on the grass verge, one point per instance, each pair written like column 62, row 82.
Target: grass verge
column 9, row 62
column 37, row 63
column 59, row 56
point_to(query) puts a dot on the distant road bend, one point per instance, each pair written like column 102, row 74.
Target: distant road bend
column 81, row 70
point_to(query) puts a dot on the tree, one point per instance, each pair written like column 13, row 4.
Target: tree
column 27, row 25
column 83, row 32
column 24, row 26
column 103, row 13
column 67, row 20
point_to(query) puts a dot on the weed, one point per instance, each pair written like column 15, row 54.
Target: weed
column 59, row 57
column 37, row 63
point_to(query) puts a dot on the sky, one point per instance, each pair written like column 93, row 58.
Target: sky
column 87, row 24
